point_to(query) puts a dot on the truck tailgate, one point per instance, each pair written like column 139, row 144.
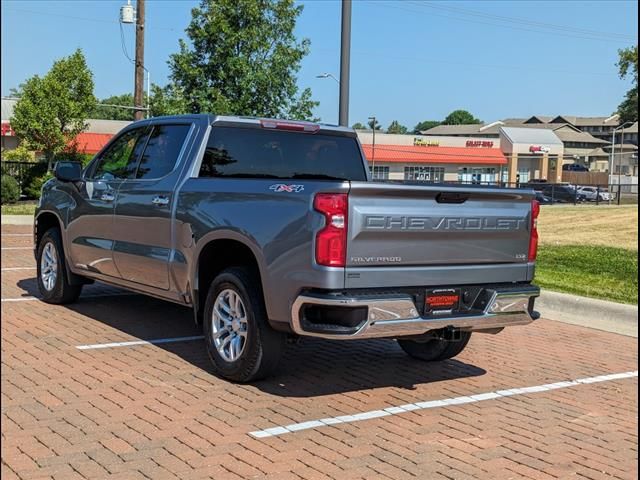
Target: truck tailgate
column 435, row 226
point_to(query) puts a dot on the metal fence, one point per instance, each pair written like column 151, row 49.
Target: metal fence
column 23, row 172
column 556, row 193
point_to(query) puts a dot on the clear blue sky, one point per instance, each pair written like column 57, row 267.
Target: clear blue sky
column 410, row 60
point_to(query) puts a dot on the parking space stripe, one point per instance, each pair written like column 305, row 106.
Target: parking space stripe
column 139, row 342
column 295, row 427
column 17, row 235
column 10, row 269
column 16, row 248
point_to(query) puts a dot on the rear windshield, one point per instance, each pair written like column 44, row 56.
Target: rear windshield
column 262, row 153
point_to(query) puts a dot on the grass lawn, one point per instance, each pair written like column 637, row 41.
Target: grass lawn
column 589, row 250
column 610, row 226
column 21, row 208
column 591, row 271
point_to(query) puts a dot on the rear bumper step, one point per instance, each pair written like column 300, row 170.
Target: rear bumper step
column 397, row 315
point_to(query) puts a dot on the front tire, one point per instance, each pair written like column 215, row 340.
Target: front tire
column 240, row 342
column 53, row 282
column 436, row 348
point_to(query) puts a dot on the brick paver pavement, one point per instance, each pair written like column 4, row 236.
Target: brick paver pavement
column 156, row 411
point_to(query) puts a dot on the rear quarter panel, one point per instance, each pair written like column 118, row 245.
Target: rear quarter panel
column 278, row 227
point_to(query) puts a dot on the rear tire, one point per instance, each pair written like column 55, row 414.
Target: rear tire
column 53, row 282
column 240, row 342
column 437, row 348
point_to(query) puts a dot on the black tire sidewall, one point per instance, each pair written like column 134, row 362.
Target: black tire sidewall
column 57, row 292
column 247, row 365
column 435, row 349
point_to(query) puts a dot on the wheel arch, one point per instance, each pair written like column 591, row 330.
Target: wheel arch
column 44, row 221
column 217, row 251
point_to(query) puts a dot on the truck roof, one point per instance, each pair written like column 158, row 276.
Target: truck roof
column 239, row 120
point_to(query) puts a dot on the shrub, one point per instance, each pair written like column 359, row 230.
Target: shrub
column 30, row 182
column 19, row 154
column 34, row 187
column 10, row 190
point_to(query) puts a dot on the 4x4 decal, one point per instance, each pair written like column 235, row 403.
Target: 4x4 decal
column 281, row 187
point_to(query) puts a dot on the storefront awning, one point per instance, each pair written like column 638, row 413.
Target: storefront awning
column 426, row 154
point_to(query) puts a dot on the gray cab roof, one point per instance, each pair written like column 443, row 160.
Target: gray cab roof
column 240, row 121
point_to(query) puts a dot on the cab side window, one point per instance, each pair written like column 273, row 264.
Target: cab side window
column 119, row 161
column 162, row 150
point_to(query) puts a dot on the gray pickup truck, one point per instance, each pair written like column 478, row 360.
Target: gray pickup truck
column 271, row 228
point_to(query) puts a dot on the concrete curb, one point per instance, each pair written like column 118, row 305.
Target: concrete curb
column 17, row 219
column 589, row 312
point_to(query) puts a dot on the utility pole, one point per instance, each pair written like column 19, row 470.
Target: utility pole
column 345, row 59
column 138, row 95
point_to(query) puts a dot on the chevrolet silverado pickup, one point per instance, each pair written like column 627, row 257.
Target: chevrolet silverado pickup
column 273, row 228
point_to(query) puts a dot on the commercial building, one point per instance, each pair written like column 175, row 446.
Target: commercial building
column 513, row 155
column 585, row 139
column 431, row 159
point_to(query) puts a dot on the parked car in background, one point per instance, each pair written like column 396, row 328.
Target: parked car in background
column 542, row 198
column 558, row 192
column 574, row 167
column 593, row 194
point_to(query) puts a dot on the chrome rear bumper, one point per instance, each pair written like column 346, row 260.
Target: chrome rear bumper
column 397, row 315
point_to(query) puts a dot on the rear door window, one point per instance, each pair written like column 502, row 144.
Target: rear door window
column 162, row 150
column 261, row 153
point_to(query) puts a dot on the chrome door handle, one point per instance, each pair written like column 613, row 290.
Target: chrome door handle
column 107, row 197
column 160, row 201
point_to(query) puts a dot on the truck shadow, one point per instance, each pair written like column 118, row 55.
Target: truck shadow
column 309, row 368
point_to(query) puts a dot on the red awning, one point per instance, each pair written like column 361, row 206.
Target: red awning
column 92, row 142
column 421, row 154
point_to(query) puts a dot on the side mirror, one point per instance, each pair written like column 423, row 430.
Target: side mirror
column 67, row 171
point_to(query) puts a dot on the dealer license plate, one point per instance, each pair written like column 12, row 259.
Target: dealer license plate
column 441, row 301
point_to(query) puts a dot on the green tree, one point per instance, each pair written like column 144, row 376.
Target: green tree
column 426, row 125
column 395, row 127
column 53, row 109
column 242, row 59
column 358, row 126
column 460, row 117
column 115, row 113
column 628, row 65
column 371, row 125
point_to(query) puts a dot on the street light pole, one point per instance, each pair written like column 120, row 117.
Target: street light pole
column 328, row 75
column 613, row 153
column 345, row 55
column 373, row 146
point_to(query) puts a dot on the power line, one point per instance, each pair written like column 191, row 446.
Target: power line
column 99, row 20
column 400, row 6
column 523, row 21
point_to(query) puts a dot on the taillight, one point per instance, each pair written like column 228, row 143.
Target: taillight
column 306, row 127
column 533, row 239
column 331, row 241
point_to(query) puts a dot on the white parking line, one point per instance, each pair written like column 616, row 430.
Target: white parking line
column 19, row 299
column 480, row 397
column 17, row 235
column 98, row 295
column 9, row 269
column 139, row 342
column 16, row 248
